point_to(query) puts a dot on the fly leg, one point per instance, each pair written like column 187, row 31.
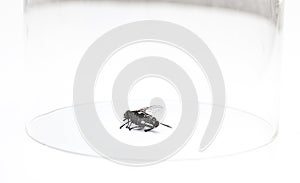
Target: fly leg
column 129, row 124
column 147, row 130
column 124, row 124
column 136, row 127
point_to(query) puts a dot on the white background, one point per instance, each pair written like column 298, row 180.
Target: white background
column 278, row 162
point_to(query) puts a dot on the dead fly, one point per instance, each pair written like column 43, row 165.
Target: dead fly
column 141, row 119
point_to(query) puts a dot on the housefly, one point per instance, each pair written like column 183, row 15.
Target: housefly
column 141, row 119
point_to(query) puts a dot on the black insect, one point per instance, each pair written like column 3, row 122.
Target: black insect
column 141, row 120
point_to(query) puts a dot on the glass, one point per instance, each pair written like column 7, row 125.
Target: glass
column 244, row 36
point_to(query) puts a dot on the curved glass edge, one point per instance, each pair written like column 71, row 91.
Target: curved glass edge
column 270, row 9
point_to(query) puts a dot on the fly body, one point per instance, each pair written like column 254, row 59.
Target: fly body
column 140, row 119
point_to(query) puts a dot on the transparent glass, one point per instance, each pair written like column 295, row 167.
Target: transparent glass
column 243, row 35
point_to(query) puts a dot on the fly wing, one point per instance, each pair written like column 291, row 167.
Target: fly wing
column 156, row 111
column 143, row 109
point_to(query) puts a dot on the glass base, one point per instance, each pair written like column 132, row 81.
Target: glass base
column 241, row 132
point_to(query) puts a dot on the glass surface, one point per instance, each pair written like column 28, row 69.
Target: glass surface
column 243, row 35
